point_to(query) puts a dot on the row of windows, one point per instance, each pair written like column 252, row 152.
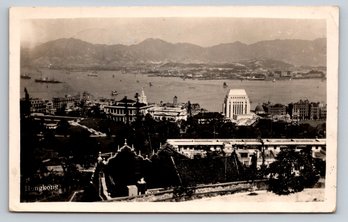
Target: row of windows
column 238, row 97
column 238, row 108
column 122, row 111
column 121, row 118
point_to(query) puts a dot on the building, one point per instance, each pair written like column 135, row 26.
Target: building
column 65, row 102
column 314, row 111
column 208, row 117
column 171, row 113
column 322, row 111
column 126, row 110
column 236, row 103
column 142, row 98
column 37, row 105
column 259, row 110
column 277, row 109
column 175, row 100
column 301, row 110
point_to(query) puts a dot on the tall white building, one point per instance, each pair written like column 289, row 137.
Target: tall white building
column 236, row 103
column 142, row 97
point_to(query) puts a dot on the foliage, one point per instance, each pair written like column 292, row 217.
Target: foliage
column 292, row 172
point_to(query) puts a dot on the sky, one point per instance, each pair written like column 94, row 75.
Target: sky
column 200, row 31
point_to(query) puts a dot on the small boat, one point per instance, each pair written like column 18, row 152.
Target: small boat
column 25, row 76
column 150, row 84
column 114, row 93
column 46, row 80
column 93, row 75
column 273, row 80
column 225, row 85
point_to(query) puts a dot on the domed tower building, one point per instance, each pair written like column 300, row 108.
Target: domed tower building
column 259, row 110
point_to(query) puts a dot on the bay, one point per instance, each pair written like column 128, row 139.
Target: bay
column 209, row 94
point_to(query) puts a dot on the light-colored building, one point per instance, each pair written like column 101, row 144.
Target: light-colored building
column 126, row 110
column 168, row 113
column 142, row 98
column 236, row 103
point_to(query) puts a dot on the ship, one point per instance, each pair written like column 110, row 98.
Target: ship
column 257, row 78
column 114, row 93
column 25, row 76
column 46, row 80
column 93, row 75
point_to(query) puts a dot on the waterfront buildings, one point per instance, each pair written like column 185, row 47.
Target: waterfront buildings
column 305, row 109
column 236, row 103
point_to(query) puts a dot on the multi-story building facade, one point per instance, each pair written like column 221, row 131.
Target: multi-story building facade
column 236, row 103
column 168, row 113
column 67, row 101
column 314, row 111
column 304, row 109
column 126, row 110
column 322, row 111
column 301, row 110
column 277, row 109
column 37, row 105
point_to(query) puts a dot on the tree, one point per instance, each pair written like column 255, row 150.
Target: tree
column 292, row 172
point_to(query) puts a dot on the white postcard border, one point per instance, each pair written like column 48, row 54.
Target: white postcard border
column 330, row 14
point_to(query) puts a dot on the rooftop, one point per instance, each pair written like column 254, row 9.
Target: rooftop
column 237, row 92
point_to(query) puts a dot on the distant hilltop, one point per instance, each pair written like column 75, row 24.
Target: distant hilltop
column 77, row 53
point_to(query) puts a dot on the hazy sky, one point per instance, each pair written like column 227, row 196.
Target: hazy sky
column 200, row 31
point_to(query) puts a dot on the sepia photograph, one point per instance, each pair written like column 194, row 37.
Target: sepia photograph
column 173, row 109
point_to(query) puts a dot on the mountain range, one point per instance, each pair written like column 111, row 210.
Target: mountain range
column 77, row 53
